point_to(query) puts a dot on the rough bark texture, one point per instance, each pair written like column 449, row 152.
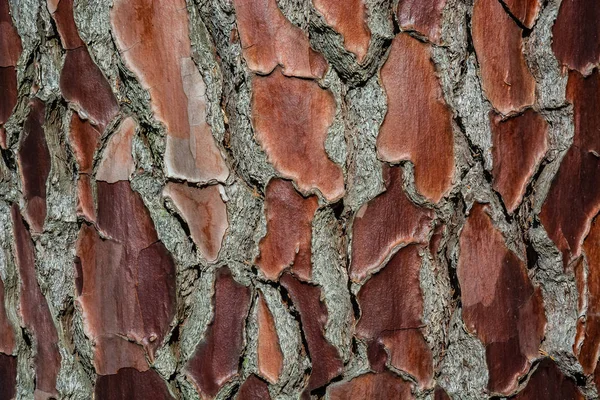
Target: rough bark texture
column 282, row 199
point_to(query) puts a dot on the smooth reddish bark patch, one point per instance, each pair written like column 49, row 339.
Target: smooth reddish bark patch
column 8, row 89
column 35, row 312
column 576, row 35
column 117, row 161
column 349, row 19
column 440, row 394
column 10, row 41
column 8, row 376
column 380, row 386
column 574, row 197
column 526, row 11
column 153, row 39
column 127, row 282
column 418, row 123
column 268, row 39
column 62, row 12
column 391, row 304
column 205, row 213
column 500, row 305
column 82, row 83
column 498, row 42
column 253, row 388
column 7, row 333
column 325, row 359
column 217, row 356
column 385, row 223
column 422, row 16
column 130, row 384
column 289, row 231
column 34, row 165
column 519, row 145
column 549, row 383
column 270, row 357
column 291, row 117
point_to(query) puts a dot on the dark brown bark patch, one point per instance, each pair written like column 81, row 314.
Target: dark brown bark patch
column 422, row 16
column 500, row 305
column 384, row 223
column 348, row 18
column 270, row 357
column 549, row 383
column 519, row 145
column 7, row 333
column 153, row 39
column 8, row 91
column 62, row 12
column 291, row 117
column 117, row 160
column 380, row 386
column 8, row 377
column 440, row 394
column 130, row 384
column 418, row 123
column 253, row 388
column 205, row 213
column 35, row 312
column 526, row 11
column 576, row 35
column 325, row 359
column 506, row 79
column 391, row 304
column 10, row 41
column 289, row 231
column 217, row 356
column 268, row 39
column 34, row 165
column 574, row 197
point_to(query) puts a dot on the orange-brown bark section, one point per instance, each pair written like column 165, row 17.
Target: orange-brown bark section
column 576, row 35
column 325, row 359
column 506, row 79
column 35, row 312
column 373, row 386
column 8, row 376
column 253, row 388
column 418, row 123
column 348, row 18
column 127, row 282
column 34, row 165
column 519, row 145
column 7, row 333
column 500, row 305
column 268, row 39
column 391, row 305
column 289, row 231
column 217, row 356
column 549, row 383
column 526, row 11
column 291, row 117
column 205, row 213
column 270, row 357
column 62, row 12
column 130, row 384
column 117, row 160
column 153, row 39
column 574, row 197
column 384, row 223
column 422, row 16
column 10, row 51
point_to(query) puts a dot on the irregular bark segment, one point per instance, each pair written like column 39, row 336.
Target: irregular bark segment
column 549, row 383
column 127, row 282
column 254, row 389
column 526, row 11
column 8, row 89
column 498, row 42
column 205, row 213
column 35, row 312
column 154, row 42
column 391, row 306
column 380, row 386
column 129, row 384
column 423, row 16
column 10, row 51
column 269, row 39
column 574, row 197
column 291, row 118
column 348, row 18
column 418, row 123
column 62, row 12
column 7, row 333
column 216, row 359
column 519, row 145
column 117, row 161
column 289, row 231
column 8, row 376
column 500, row 305
column 384, row 223
column 270, row 357
column 440, row 394
column 34, row 164
column 576, row 35
column 325, row 359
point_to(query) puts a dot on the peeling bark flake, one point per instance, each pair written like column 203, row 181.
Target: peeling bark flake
column 422, row 16
column 270, row 357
